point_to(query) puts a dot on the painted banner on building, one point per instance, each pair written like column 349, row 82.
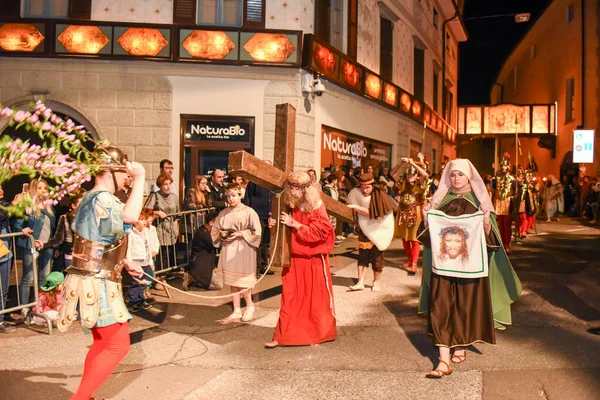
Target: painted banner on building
column 339, row 148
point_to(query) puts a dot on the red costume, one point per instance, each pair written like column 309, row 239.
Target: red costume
column 307, row 314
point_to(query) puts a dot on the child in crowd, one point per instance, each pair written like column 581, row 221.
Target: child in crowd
column 140, row 249
column 49, row 298
column 154, row 248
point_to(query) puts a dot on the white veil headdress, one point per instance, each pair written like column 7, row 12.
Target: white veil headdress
column 477, row 185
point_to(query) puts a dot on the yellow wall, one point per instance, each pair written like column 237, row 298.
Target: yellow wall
column 542, row 79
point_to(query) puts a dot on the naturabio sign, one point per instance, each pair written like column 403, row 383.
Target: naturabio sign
column 236, row 131
column 341, row 148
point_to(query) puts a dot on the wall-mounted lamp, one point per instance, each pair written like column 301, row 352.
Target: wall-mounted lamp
column 313, row 85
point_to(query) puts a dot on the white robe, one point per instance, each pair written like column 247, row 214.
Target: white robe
column 380, row 231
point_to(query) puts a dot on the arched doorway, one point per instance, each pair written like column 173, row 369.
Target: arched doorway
column 15, row 185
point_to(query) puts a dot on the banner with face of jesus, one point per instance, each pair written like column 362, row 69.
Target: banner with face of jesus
column 458, row 246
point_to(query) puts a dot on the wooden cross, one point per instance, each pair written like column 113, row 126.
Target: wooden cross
column 272, row 176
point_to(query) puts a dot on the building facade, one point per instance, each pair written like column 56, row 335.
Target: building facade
column 178, row 97
column 556, row 62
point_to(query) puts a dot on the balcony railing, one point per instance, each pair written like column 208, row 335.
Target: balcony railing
column 339, row 69
column 155, row 42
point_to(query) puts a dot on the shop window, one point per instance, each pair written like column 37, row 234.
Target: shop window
column 336, row 22
column 242, row 13
column 386, row 49
column 570, row 100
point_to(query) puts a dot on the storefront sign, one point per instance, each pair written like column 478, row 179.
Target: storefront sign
column 583, row 146
column 224, row 131
column 340, row 148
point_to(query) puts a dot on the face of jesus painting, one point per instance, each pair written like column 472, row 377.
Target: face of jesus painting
column 453, row 244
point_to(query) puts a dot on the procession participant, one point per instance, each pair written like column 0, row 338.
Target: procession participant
column 375, row 214
column 237, row 232
column 307, row 314
column 526, row 201
column 553, row 195
column 92, row 287
column 463, row 311
column 504, row 185
column 410, row 200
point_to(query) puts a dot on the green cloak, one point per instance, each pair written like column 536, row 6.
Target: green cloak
column 505, row 286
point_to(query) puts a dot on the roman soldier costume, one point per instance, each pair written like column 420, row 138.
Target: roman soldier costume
column 504, row 189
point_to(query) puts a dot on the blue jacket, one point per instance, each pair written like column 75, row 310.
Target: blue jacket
column 35, row 223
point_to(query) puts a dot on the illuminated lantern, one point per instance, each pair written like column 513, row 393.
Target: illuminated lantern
column 142, row 41
column 350, row 74
column 416, row 109
column 373, row 86
column 272, row 47
column 83, row 39
column 208, row 44
column 19, row 37
column 390, row 94
column 405, row 102
column 324, row 59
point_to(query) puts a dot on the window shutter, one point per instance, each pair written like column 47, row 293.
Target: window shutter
column 184, row 12
column 352, row 28
column 80, row 9
column 10, row 8
column 254, row 14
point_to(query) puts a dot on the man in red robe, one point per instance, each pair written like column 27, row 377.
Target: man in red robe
column 307, row 314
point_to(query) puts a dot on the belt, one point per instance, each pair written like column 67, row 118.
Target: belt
column 97, row 259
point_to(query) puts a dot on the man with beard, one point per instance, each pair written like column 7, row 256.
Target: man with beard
column 375, row 213
column 307, row 315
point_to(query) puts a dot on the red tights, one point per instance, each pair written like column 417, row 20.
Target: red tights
column 412, row 248
column 111, row 345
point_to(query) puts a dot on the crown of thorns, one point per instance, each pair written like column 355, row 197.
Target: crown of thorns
column 296, row 183
column 454, row 230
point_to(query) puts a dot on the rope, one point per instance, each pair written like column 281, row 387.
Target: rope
column 225, row 296
column 327, row 286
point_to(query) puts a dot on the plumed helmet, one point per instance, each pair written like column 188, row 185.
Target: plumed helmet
column 113, row 158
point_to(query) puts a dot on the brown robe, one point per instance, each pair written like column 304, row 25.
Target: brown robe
column 460, row 309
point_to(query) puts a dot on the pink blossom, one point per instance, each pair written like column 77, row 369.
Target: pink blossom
column 33, row 119
column 47, row 126
column 19, row 116
column 7, row 111
column 47, row 113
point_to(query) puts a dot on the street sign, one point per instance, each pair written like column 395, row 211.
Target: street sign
column 583, row 146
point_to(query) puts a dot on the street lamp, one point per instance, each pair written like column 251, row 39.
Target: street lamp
column 519, row 17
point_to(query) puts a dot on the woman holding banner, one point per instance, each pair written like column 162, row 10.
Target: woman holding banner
column 465, row 304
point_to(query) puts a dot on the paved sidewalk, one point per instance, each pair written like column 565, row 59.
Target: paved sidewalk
column 382, row 352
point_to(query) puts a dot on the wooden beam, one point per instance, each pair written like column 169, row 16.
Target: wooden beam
column 285, row 133
column 256, row 170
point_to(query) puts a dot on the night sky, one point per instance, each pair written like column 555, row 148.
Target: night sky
column 490, row 42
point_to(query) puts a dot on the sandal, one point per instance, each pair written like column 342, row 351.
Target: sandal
column 248, row 314
column 458, row 358
column 438, row 373
column 272, row 345
column 234, row 316
column 406, row 265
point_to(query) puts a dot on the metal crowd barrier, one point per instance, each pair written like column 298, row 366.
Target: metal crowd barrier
column 20, row 305
column 175, row 256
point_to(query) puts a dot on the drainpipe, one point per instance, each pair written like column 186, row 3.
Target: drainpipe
column 582, row 63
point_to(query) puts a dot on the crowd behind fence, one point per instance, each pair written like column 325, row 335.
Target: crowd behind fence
column 22, row 306
column 177, row 255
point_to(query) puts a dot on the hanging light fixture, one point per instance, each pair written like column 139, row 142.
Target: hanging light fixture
column 351, row 74
column 20, row 37
column 390, row 94
column 142, row 41
column 324, row 59
column 83, row 39
column 373, row 86
column 213, row 45
column 271, row 47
